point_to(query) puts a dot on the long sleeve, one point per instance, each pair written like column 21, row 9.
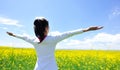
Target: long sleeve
column 25, row 38
column 68, row 34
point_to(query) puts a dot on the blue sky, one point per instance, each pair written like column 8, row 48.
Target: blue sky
column 17, row 16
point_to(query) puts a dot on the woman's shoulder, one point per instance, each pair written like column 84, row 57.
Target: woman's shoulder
column 54, row 34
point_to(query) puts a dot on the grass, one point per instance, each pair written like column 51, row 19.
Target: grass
column 25, row 59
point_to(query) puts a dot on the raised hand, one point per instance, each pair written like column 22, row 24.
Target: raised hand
column 11, row 34
column 93, row 28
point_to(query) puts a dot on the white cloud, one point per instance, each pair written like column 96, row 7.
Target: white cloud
column 8, row 21
column 101, row 41
column 4, row 28
column 115, row 13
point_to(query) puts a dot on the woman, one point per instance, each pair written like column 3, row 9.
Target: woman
column 45, row 45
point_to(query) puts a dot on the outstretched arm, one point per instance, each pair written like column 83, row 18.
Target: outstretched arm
column 17, row 36
column 30, row 40
column 75, row 32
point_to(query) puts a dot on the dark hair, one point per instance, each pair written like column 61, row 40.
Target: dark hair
column 39, row 28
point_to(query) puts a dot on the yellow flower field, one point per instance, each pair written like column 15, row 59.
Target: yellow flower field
column 88, row 60
column 24, row 59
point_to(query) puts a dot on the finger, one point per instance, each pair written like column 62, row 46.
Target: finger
column 8, row 32
column 100, row 27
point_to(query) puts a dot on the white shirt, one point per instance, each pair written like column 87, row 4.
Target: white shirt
column 45, row 50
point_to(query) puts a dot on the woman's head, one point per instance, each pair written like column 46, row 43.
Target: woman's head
column 41, row 28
